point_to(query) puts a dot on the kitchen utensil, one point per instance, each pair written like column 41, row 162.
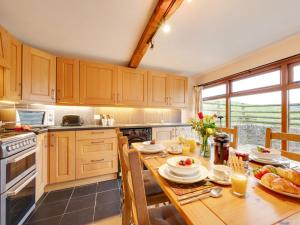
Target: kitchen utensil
column 214, row 193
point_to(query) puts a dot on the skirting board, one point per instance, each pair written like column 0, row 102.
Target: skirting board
column 74, row 183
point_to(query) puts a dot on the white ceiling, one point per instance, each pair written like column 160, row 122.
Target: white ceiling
column 208, row 33
column 204, row 34
column 97, row 29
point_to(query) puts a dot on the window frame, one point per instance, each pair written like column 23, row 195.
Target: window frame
column 286, row 83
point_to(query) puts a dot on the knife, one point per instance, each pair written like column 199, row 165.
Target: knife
column 194, row 194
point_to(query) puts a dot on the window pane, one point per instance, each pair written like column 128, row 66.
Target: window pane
column 252, row 114
column 214, row 91
column 294, row 117
column 217, row 106
column 296, row 72
column 263, row 80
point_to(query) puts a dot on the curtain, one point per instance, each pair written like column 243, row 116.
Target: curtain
column 197, row 100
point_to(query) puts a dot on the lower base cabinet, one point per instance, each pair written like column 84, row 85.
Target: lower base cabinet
column 82, row 154
column 41, row 164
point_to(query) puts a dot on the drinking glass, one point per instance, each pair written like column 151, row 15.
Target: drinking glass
column 239, row 182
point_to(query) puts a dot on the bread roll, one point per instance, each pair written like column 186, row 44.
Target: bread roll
column 283, row 185
column 268, row 178
column 289, row 174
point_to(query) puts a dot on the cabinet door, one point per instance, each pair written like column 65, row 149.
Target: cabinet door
column 157, row 89
column 45, row 159
column 15, row 69
column 4, row 48
column 163, row 133
column 41, row 166
column 97, row 83
column 132, row 87
column 38, row 75
column 4, row 83
column 96, row 157
column 62, row 156
column 67, row 81
column 177, row 88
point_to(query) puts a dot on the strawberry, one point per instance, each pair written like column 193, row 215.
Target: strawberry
column 258, row 173
column 188, row 162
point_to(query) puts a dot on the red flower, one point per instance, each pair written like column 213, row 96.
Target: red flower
column 200, row 115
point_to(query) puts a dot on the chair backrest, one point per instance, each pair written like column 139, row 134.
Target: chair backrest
column 234, row 132
column 135, row 186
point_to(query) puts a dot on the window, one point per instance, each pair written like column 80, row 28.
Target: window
column 252, row 114
column 217, row 106
column 296, row 73
column 263, row 80
column 294, row 117
column 214, row 91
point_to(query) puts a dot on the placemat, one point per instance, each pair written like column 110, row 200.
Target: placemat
column 182, row 189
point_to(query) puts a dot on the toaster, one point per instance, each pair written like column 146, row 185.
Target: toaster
column 71, row 120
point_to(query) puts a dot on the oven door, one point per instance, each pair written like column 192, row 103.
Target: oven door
column 16, row 167
column 18, row 202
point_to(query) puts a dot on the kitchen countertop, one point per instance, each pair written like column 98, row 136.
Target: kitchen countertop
column 96, row 127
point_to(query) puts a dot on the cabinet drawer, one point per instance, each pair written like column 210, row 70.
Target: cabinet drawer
column 89, row 167
column 95, row 147
column 95, row 134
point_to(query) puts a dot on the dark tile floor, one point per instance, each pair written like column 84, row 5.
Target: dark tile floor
column 79, row 205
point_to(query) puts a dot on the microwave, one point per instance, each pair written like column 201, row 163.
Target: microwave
column 32, row 117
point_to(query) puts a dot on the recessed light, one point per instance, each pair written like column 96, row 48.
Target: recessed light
column 166, row 28
column 189, row 1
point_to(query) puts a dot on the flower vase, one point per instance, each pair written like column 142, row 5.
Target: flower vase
column 205, row 147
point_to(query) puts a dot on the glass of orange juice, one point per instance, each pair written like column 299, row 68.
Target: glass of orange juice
column 186, row 149
column 239, row 183
column 192, row 144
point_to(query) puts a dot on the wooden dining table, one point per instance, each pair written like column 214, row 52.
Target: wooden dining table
column 260, row 206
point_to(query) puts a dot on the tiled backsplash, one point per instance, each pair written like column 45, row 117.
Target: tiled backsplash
column 120, row 114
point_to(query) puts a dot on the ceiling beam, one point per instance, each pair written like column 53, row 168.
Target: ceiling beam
column 163, row 10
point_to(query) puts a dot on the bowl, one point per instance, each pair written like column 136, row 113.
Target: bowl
column 173, row 165
column 148, row 146
column 273, row 154
column 221, row 171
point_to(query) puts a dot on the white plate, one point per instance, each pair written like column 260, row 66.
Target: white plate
column 214, row 179
column 279, row 192
column 165, row 173
column 280, row 161
column 142, row 149
column 173, row 152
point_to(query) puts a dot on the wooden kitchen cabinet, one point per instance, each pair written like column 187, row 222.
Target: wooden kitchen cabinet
column 132, row 87
column 167, row 90
column 4, row 48
column 67, row 81
column 95, row 157
column 157, row 89
column 98, row 83
column 15, row 71
column 4, row 83
column 41, row 164
column 38, row 75
column 61, row 156
column 177, row 90
column 163, row 133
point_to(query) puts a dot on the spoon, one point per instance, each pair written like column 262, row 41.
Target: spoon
column 214, row 193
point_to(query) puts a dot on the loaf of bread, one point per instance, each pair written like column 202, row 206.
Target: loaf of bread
column 283, row 185
column 289, row 174
column 268, row 178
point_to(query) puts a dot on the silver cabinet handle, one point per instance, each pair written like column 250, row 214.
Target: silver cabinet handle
column 97, row 142
column 17, row 159
column 97, row 132
column 18, row 189
column 52, row 93
column 97, row 160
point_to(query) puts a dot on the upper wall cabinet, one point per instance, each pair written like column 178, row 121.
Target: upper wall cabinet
column 132, row 87
column 177, row 89
column 15, row 69
column 38, row 75
column 67, row 81
column 4, row 83
column 167, row 90
column 98, row 83
column 157, row 89
column 4, row 48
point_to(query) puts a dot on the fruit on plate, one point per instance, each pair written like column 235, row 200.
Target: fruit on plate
column 186, row 162
column 268, row 178
column 263, row 149
column 152, row 142
column 258, row 173
column 289, row 174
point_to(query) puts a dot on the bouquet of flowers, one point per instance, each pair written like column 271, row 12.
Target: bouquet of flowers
column 205, row 126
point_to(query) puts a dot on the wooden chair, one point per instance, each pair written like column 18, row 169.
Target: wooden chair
column 165, row 215
column 282, row 136
column 234, row 132
column 154, row 193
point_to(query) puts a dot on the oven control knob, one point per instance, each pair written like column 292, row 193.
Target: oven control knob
column 17, row 146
